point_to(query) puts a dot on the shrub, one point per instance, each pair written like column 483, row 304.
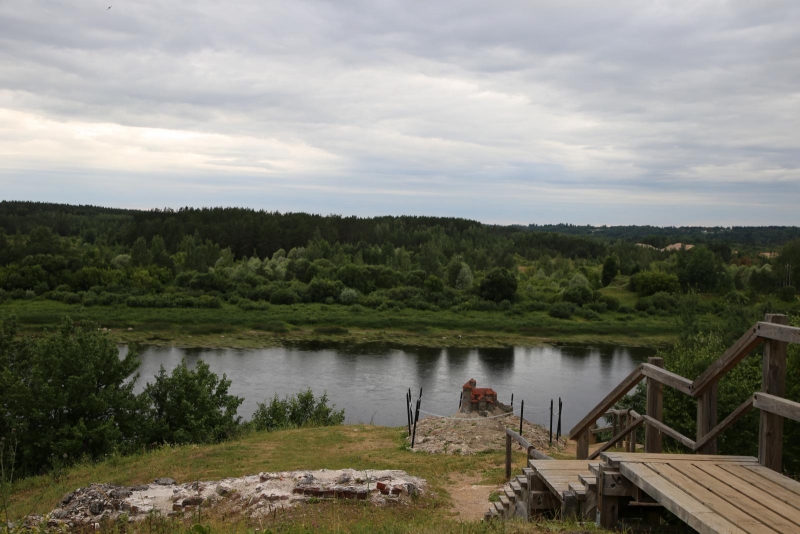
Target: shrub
column 499, row 284
column 320, row 289
column 561, row 310
column 302, row 409
column 646, row 283
column 350, row 296
column 737, row 298
column 787, row 294
column 578, row 294
column 587, row 313
column 283, row 296
column 612, row 303
column 191, row 406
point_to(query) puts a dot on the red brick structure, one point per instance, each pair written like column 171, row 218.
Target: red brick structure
column 481, row 400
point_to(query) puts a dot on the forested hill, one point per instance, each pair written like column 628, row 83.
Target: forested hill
column 247, row 231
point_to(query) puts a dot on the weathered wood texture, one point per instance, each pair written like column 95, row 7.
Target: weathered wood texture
column 636, row 423
column 610, row 400
column 731, row 357
column 777, row 405
column 655, row 409
column 658, row 373
column 716, row 494
column 707, row 418
column 743, row 408
column 773, row 382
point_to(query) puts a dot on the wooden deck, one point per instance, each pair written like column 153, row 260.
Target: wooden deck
column 715, row 494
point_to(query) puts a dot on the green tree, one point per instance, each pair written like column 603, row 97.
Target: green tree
column 610, row 270
column 67, row 395
column 790, row 255
column 499, row 284
column 697, row 269
column 191, row 406
column 140, row 253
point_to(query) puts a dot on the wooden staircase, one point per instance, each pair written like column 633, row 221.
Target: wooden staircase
column 709, row 493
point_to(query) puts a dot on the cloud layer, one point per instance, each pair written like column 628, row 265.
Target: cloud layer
column 640, row 112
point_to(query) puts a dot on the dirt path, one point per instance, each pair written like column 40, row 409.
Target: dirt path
column 470, row 498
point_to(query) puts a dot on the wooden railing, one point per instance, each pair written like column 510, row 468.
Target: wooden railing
column 525, row 444
column 776, row 336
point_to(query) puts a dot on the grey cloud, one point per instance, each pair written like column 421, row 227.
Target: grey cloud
column 633, row 99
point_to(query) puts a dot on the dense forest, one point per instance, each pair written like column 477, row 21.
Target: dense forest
column 205, row 257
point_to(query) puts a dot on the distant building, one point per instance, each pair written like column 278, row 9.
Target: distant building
column 481, row 400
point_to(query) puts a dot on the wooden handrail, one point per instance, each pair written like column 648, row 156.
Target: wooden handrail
column 730, row 358
column 777, row 405
column 610, row 400
column 743, row 408
column 666, row 377
column 778, row 332
column 636, row 423
column 531, row 450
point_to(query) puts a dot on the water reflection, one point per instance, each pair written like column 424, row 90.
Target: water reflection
column 370, row 381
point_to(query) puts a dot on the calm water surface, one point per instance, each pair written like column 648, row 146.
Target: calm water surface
column 370, row 381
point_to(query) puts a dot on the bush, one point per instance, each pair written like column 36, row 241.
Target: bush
column 647, row 283
column 297, row 411
column 587, row 313
column 787, row 294
column 284, row 296
column 191, row 406
column 612, row 303
column 561, row 310
column 578, row 294
column 737, row 298
column 350, row 296
column 499, row 284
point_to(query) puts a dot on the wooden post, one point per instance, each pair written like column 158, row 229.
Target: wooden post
column 521, row 413
column 592, row 435
column 655, row 409
column 632, row 435
column 508, row 457
column 607, row 505
column 773, row 381
column 582, row 450
column 707, row 418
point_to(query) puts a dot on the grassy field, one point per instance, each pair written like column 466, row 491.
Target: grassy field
column 360, row 447
column 230, row 326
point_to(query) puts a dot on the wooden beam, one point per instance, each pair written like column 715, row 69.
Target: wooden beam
column 743, row 408
column 600, row 429
column 663, row 376
column 655, row 408
column 730, row 358
column 670, row 432
column 777, row 405
column 707, row 418
column 616, row 394
column 773, row 382
column 637, row 422
column 582, row 447
column 778, row 332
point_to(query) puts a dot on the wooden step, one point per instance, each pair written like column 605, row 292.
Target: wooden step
column 498, row 508
column 516, row 486
column 577, row 489
column 522, row 480
column 589, row 482
column 504, row 502
column 510, row 494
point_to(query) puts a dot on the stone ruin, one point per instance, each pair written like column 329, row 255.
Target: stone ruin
column 481, row 401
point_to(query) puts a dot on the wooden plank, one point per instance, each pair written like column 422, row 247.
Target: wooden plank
column 655, row 409
column 773, row 382
column 743, row 408
column 731, row 357
column 778, row 492
column 610, row 400
column 614, row 440
column 600, row 429
column 614, row 458
column 724, row 486
column 778, row 332
column 675, row 381
column 669, row 431
column 582, row 446
column 777, row 405
column 707, row 419
column 785, row 482
column 686, row 508
column 550, row 465
column 711, row 500
column 755, row 493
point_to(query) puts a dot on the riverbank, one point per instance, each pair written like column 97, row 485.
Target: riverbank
column 232, row 327
column 453, row 481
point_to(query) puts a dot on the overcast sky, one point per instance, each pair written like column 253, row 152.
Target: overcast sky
column 624, row 112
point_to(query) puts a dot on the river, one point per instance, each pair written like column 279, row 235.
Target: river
column 370, row 381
